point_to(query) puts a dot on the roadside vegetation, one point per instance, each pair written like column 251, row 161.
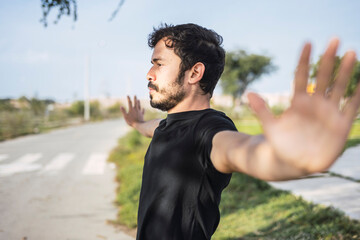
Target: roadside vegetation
column 250, row 208
column 24, row 116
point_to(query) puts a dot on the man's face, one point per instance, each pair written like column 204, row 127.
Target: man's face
column 165, row 86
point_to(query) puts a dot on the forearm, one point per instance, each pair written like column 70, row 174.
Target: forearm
column 257, row 158
column 147, row 128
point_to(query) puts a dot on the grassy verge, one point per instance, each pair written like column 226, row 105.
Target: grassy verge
column 354, row 136
column 129, row 157
column 250, row 208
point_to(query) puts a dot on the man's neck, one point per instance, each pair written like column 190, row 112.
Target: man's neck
column 192, row 103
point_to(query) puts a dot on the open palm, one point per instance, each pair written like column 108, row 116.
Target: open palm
column 312, row 132
column 135, row 112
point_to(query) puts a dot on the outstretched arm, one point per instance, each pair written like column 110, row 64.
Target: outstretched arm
column 307, row 138
column 135, row 118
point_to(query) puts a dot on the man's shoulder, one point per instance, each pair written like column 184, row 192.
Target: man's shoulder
column 215, row 116
column 214, row 121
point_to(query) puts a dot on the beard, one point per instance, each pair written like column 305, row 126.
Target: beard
column 173, row 94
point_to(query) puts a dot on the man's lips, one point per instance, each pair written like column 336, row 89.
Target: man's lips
column 152, row 87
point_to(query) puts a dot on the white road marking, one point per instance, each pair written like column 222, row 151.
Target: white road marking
column 3, row 157
column 96, row 164
column 29, row 158
column 23, row 164
column 57, row 164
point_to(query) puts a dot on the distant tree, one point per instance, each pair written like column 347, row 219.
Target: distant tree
column 24, row 103
column 37, row 106
column 355, row 77
column 66, row 7
column 95, row 110
column 5, row 105
column 241, row 69
column 115, row 108
column 77, row 109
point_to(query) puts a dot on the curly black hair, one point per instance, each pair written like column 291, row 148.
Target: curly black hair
column 193, row 44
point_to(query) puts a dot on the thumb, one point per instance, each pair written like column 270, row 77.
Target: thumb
column 259, row 107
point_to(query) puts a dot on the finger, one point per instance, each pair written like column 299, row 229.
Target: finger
column 326, row 67
column 136, row 102
column 125, row 115
column 302, row 70
column 129, row 103
column 260, row 108
column 122, row 109
column 352, row 106
column 345, row 71
column 139, row 104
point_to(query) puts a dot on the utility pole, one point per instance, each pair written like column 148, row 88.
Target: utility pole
column 86, row 89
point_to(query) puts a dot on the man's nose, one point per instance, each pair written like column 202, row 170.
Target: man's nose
column 150, row 75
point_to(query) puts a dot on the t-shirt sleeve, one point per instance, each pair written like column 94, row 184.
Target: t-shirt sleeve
column 208, row 127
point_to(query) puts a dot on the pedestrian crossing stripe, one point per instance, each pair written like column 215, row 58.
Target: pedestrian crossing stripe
column 29, row 158
column 57, row 164
column 25, row 163
column 94, row 165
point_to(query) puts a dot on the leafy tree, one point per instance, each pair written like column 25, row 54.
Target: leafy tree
column 24, row 103
column 5, row 105
column 115, row 108
column 66, row 7
column 355, row 77
column 77, row 109
column 241, row 69
column 95, row 110
column 37, row 106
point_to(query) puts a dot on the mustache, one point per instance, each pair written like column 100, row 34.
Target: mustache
column 153, row 86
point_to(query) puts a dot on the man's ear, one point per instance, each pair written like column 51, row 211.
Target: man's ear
column 196, row 72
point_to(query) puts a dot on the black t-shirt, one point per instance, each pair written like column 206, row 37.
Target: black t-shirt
column 180, row 192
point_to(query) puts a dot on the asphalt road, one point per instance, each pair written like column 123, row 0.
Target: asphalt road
column 58, row 185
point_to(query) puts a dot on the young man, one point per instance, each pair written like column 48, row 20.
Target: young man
column 195, row 149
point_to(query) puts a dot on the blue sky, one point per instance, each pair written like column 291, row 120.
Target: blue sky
column 50, row 62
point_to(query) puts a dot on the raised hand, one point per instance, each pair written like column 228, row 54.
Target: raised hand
column 135, row 114
column 312, row 132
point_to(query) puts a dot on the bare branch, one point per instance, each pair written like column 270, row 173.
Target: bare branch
column 116, row 10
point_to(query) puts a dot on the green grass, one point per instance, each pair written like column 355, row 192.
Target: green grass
column 354, row 136
column 129, row 157
column 249, row 126
column 250, row 208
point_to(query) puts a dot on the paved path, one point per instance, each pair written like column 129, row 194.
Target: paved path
column 340, row 190
column 58, row 185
